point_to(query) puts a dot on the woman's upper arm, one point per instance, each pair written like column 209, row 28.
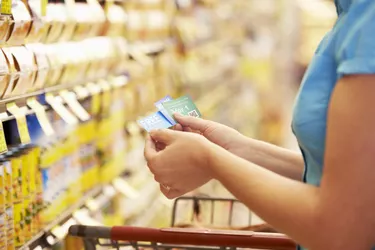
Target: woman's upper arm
column 347, row 199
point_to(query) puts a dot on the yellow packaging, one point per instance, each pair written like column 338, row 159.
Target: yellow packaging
column 2, row 208
column 38, row 200
column 18, row 207
column 16, row 164
column 20, row 25
column 19, row 238
column 10, row 233
column 3, row 235
column 9, row 218
column 26, row 194
column 33, row 165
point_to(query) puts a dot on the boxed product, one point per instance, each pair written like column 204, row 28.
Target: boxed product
column 20, row 23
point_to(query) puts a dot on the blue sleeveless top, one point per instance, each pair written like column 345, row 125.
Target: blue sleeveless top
column 349, row 48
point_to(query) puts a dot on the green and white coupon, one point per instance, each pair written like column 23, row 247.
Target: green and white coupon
column 183, row 105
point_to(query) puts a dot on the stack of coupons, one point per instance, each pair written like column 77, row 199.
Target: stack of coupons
column 167, row 107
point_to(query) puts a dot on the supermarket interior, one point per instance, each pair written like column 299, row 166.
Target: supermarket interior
column 78, row 75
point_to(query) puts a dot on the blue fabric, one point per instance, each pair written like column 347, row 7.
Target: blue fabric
column 349, row 48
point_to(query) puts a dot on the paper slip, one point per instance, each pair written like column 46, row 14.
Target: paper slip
column 154, row 121
column 159, row 106
column 183, row 105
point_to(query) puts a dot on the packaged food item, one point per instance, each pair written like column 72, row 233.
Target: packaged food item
column 18, row 206
column 120, row 68
column 56, row 66
column 54, row 21
column 40, row 64
column 4, row 28
column 3, row 235
column 4, row 74
column 39, row 26
column 38, row 200
column 70, row 25
column 24, row 64
column 20, row 24
column 135, row 25
column 9, row 217
column 26, row 193
column 13, row 73
column 82, row 14
column 97, row 18
column 157, row 25
column 116, row 20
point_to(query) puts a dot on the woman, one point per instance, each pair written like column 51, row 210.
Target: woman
column 334, row 122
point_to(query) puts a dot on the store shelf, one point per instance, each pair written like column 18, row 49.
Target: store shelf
column 40, row 239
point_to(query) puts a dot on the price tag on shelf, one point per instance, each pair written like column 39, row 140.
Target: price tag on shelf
column 6, row 7
column 41, row 116
column 71, row 99
column 20, row 116
column 81, row 92
column 61, row 231
column 94, row 90
column 43, row 7
column 93, row 205
column 3, row 143
column 61, row 110
column 83, row 217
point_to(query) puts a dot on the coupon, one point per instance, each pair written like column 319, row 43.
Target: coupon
column 159, row 106
column 183, row 105
column 154, row 121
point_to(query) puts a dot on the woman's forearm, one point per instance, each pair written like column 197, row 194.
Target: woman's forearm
column 282, row 161
column 290, row 206
column 287, row 205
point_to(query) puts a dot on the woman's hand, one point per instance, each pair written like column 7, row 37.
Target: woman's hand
column 223, row 136
column 180, row 165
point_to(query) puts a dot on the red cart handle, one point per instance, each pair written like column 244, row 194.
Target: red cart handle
column 182, row 236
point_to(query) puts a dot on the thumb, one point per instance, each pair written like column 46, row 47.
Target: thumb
column 194, row 123
column 165, row 136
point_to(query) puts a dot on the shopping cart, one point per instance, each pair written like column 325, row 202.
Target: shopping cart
column 177, row 237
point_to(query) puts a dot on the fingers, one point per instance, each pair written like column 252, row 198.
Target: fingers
column 150, row 150
column 178, row 127
column 192, row 122
column 169, row 193
column 164, row 136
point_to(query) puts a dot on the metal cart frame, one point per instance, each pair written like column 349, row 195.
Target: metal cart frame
column 125, row 237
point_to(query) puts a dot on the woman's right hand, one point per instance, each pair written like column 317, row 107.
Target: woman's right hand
column 224, row 136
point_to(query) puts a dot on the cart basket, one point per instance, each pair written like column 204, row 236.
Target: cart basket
column 181, row 238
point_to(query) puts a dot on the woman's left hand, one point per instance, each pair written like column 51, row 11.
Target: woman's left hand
column 178, row 160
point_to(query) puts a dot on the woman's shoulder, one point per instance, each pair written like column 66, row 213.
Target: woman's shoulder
column 355, row 36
